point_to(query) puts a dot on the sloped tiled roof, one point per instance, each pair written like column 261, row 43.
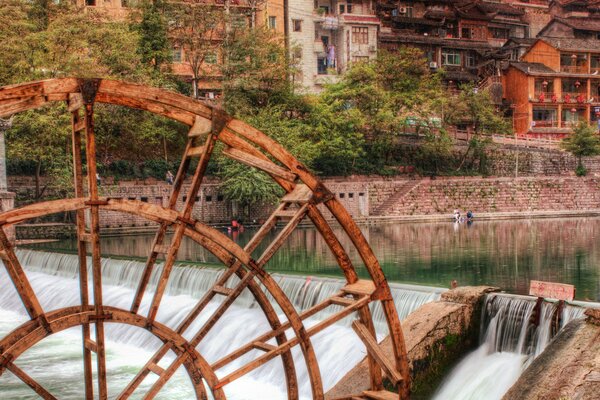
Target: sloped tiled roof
column 573, row 44
column 532, row 68
column 501, row 8
column 586, row 24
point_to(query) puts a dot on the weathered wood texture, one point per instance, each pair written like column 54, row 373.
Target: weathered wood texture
column 245, row 144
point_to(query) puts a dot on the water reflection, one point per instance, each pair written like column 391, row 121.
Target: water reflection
column 502, row 253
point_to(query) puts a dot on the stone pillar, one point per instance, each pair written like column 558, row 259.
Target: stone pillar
column 7, row 199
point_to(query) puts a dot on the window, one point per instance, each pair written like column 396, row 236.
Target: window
column 176, row 54
column 211, row 58
column 197, row 199
column 90, row 2
column 297, row 54
column 220, row 197
column 342, row 8
column 297, row 25
column 470, row 60
column 322, row 66
column 450, row 57
column 144, row 199
column 349, row 7
column 342, row 195
column 239, row 21
column 360, row 35
column 544, row 117
column 272, row 22
column 208, row 198
column 499, row 33
column 351, row 195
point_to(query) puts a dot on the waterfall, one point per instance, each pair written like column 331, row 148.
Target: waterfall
column 510, row 341
column 54, row 278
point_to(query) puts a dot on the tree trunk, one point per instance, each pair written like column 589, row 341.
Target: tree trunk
column 38, row 169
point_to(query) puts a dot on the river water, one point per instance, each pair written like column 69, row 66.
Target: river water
column 507, row 254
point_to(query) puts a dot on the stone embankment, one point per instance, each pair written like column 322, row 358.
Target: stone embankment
column 569, row 368
column 373, row 199
column 437, row 334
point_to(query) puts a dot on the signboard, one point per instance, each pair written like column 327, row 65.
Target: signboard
column 551, row 290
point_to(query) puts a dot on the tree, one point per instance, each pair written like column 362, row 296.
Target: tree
column 584, row 142
column 198, row 29
column 474, row 107
column 153, row 46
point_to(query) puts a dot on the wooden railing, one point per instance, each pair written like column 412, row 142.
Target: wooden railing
column 574, row 69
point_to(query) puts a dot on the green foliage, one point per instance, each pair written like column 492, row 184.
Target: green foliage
column 581, row 170
column 246, row 185
column 584, row 142
column 153, row 45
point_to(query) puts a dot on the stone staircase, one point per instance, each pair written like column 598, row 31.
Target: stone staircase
column 494, row 195
column 400, row 191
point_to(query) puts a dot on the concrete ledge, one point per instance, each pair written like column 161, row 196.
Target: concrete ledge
column 568, row 369
column 437, row 334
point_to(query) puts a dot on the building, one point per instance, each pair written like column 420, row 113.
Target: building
column 244, row 13
column 463, row 37
column 326, row 36
column 554, row 87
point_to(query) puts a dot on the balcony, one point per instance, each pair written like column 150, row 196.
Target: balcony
column 544, row 124
column 574, row 97
column 545, row 97
column 574, row 69
column 327, row 21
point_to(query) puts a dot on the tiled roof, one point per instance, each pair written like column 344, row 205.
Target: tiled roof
column 501, row 8
column 532, row 68
column 586, row 24
column 433, row 40
column 573, row 44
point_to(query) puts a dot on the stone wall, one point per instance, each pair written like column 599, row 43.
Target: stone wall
column 436, row 335
column 485, row 195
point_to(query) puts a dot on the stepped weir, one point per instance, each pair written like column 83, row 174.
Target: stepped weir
column 283, row 332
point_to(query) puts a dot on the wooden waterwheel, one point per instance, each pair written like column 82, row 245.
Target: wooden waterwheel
column 306, row 198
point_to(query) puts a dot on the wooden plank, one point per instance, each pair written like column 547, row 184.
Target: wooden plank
column 267, row 166
column 158, row 370
column 161, row 248
column 360, row 287
column 202, row 126
column 552, row 290
column 301, row 194
column 79, row 126
column 86, row 237
column 29, row 381
column 91, row 345
column 342, row 301
column 195, row 151
column 222, row 290
column 381, row 395
column 263, row 346
column 289, row 213
column 377, row 353
column 75, row 102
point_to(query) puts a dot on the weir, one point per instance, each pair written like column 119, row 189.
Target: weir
column 512, row 336
column 54, row 275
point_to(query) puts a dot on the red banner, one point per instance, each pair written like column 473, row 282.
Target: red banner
column 552, row 290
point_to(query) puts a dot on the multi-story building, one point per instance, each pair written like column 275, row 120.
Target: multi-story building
column 463, row 37
column 243, row 13
column 325, row 36
column 554, row 87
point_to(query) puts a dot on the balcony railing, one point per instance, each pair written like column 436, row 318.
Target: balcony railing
column 545, row 124
column 574, row 69
column 545, row 97
column 574, row 97
column 571, row 124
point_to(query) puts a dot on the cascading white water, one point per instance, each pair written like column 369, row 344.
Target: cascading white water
column 54, row 279
column 509, row 343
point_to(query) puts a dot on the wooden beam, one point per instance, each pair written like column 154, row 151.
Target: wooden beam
column 258, row 163
column 29, row 381
column 377, row 352
column 381, row 395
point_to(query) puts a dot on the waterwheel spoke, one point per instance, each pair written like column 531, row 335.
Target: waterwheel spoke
column 88, row 92
column 29, row 381
column 78, row 125
column 19, row 278
column 271, row 351
column 205, row 153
